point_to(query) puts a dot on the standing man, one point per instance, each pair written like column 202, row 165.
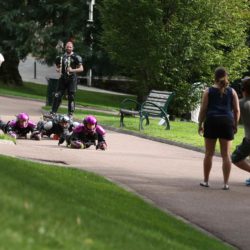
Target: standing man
column 68, row 65
column 242, row 151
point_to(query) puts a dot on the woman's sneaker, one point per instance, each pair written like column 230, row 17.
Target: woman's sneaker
column 204, row 184
column 225, row 187
column 247, row 182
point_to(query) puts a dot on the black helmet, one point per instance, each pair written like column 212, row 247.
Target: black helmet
column 64, row 119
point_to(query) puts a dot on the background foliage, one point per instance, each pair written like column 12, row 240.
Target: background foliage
column 161, row 44
column 184, row 40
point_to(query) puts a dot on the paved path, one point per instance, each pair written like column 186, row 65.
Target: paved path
column 166, row 175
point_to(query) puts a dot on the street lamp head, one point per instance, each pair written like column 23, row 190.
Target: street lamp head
column 1, row 59
column 91, row 2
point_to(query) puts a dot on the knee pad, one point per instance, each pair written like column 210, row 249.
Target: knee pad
column 71, row 96
column 58, row 95
column 237, row 156
column 48, row 125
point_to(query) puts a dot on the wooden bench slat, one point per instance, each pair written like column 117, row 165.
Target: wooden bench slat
column 160, row 91
column 161, row 104
column 150, row 99
column 147, row 107
column 154, row 113
column 160, row 94
column 157, row 98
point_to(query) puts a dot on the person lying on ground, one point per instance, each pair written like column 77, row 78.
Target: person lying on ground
column 88, row 133
column 21, row 127
column 59, row 126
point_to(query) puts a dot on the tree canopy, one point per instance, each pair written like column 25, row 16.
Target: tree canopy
column 162, row 44
column 16, row 33
column 172, row 44
column 41, row 28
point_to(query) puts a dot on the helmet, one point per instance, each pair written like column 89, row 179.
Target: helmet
column 90, row 120
column 90, row 123
column 23, row 119
column 64, row 119
column 22, row 116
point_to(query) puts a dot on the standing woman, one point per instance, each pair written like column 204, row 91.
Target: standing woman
column 218, row 119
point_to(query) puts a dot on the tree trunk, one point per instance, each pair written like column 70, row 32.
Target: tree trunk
column 142, row 86
column 9, row 73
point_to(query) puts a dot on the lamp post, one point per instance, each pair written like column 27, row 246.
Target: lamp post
column 90, row 25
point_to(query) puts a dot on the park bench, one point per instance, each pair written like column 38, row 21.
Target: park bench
column 156, row 105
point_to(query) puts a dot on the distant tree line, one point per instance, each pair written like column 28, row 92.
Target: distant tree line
column 161, row 44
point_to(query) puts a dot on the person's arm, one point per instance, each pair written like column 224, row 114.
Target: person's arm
column 79, row 66
column 58, row 64
column 76, row 70
column 203, row 110
column 236, row 110
column 58, row 69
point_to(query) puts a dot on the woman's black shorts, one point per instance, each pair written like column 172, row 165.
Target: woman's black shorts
column 219, row 127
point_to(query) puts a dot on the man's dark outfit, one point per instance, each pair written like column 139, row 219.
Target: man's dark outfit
column 67, row 81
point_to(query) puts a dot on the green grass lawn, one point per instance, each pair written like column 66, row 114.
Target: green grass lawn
column 7, row 137
column 83, row 97
column 49, row 207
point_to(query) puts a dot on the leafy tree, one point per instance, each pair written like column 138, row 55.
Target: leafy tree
column 16, row 33
column 59, row 21
column 42, row 27
column 213, row 34
column 172, row 44
column 133, row 35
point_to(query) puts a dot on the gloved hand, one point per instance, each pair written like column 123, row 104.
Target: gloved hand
column 12, row 134
column 61, row 140
column 101, row 145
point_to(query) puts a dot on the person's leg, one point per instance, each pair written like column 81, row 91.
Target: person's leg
column 244, row 165
column 71, row 103
column 58, row 96
column 207, row 162
column 225, row 147
column 240, row 154
column 56, row 102
column 72, row 86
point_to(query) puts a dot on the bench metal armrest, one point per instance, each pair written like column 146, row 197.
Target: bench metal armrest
column 125, row 109
column 126, row 101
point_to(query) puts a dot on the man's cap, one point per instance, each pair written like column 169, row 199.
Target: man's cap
column 246, row 78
